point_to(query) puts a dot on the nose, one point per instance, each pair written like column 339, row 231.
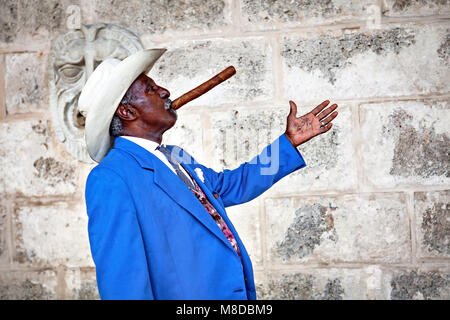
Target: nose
column 163, row 93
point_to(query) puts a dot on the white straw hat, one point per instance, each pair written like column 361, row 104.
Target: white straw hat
column 103, row 92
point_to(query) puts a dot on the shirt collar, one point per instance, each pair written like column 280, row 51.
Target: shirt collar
column 144, row 143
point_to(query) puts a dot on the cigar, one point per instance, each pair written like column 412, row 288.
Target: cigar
column 203, row 88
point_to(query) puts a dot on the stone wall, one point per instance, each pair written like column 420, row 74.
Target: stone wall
column 368, row 218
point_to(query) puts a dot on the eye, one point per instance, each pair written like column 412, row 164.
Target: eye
column 151, row 88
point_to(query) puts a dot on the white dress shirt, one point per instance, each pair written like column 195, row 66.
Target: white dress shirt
column 151, row 146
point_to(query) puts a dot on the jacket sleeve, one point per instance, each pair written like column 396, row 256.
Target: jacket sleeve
column 115, row 238
column 252, row 178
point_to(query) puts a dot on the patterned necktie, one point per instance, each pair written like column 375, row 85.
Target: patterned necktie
column 198, row 192
column 176, row 166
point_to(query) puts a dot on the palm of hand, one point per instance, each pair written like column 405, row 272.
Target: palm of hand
column 299, row 130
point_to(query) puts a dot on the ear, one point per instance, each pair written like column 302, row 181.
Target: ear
column 127, row 112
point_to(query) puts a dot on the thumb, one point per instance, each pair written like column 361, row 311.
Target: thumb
column 293, row 112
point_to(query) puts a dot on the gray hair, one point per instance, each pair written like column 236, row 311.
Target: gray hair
column 116, row 127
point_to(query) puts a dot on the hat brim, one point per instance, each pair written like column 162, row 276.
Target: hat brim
column 105, row 103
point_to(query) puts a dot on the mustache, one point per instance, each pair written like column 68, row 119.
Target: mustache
column 168, row 104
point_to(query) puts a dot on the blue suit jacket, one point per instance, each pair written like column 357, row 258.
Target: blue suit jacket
column 151, row 238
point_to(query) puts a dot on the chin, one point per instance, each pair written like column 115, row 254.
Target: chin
column 172, row 121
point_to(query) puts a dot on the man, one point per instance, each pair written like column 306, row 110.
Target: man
column 158, row 228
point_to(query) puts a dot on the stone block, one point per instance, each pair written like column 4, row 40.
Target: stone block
column 28, row 285
column 187, row 134
column 376, row 63
column 402, row 8
column 8, row 20
column 43, row 18
column 2, row 88
column 405, row 143
column 330, row 163
column 324, row 284
column 51, row 234
column 245, row 219
column 346, row 228
column 81, row 284
column 3, row 234
column 420, row 285
column 30, row 165
column 269, row 14
column 158, row 17
column 25, row 20
column 432, row 212
column 368, row 283
column 241, row 133
column 25, row 87
column 188, row 64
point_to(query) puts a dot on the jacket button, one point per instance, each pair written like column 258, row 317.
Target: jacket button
column 215, row 195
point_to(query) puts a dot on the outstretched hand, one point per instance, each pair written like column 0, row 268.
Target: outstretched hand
column 318, row 121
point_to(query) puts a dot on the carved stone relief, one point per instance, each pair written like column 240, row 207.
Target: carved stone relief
column 73, row 57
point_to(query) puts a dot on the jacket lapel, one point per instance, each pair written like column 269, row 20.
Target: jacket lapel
column 173, row 186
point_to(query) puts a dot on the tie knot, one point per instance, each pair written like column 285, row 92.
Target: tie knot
column 162, row 148
column 166, row 152
column 174, row 162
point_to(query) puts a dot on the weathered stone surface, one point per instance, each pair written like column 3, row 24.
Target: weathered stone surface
column 388, row 62
column 348, row 228
column 371, row 282
column 299, row 287
column 26, row 19
column 20, row 285
column 24, row 82
column 3, row 234
column 51, row 234
column 279, row 14
column 420, row 285
column 329, row 158
column 44, row 17
column 312, row 225
column 405, row 143
column 81, row 284
column 245, row 219
column 316, row 284
column 188, row 64
column 415, row 8
column 35, row 169
column 154, row 16
column 444, row 49
column 187, row 134
column 241, row 133
column 8, row 20
column 432, row 211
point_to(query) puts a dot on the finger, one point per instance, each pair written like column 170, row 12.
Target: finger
column 319, row 108
column 327, row 111
column 326, row 127
column 329, row 119
column 293, row 112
